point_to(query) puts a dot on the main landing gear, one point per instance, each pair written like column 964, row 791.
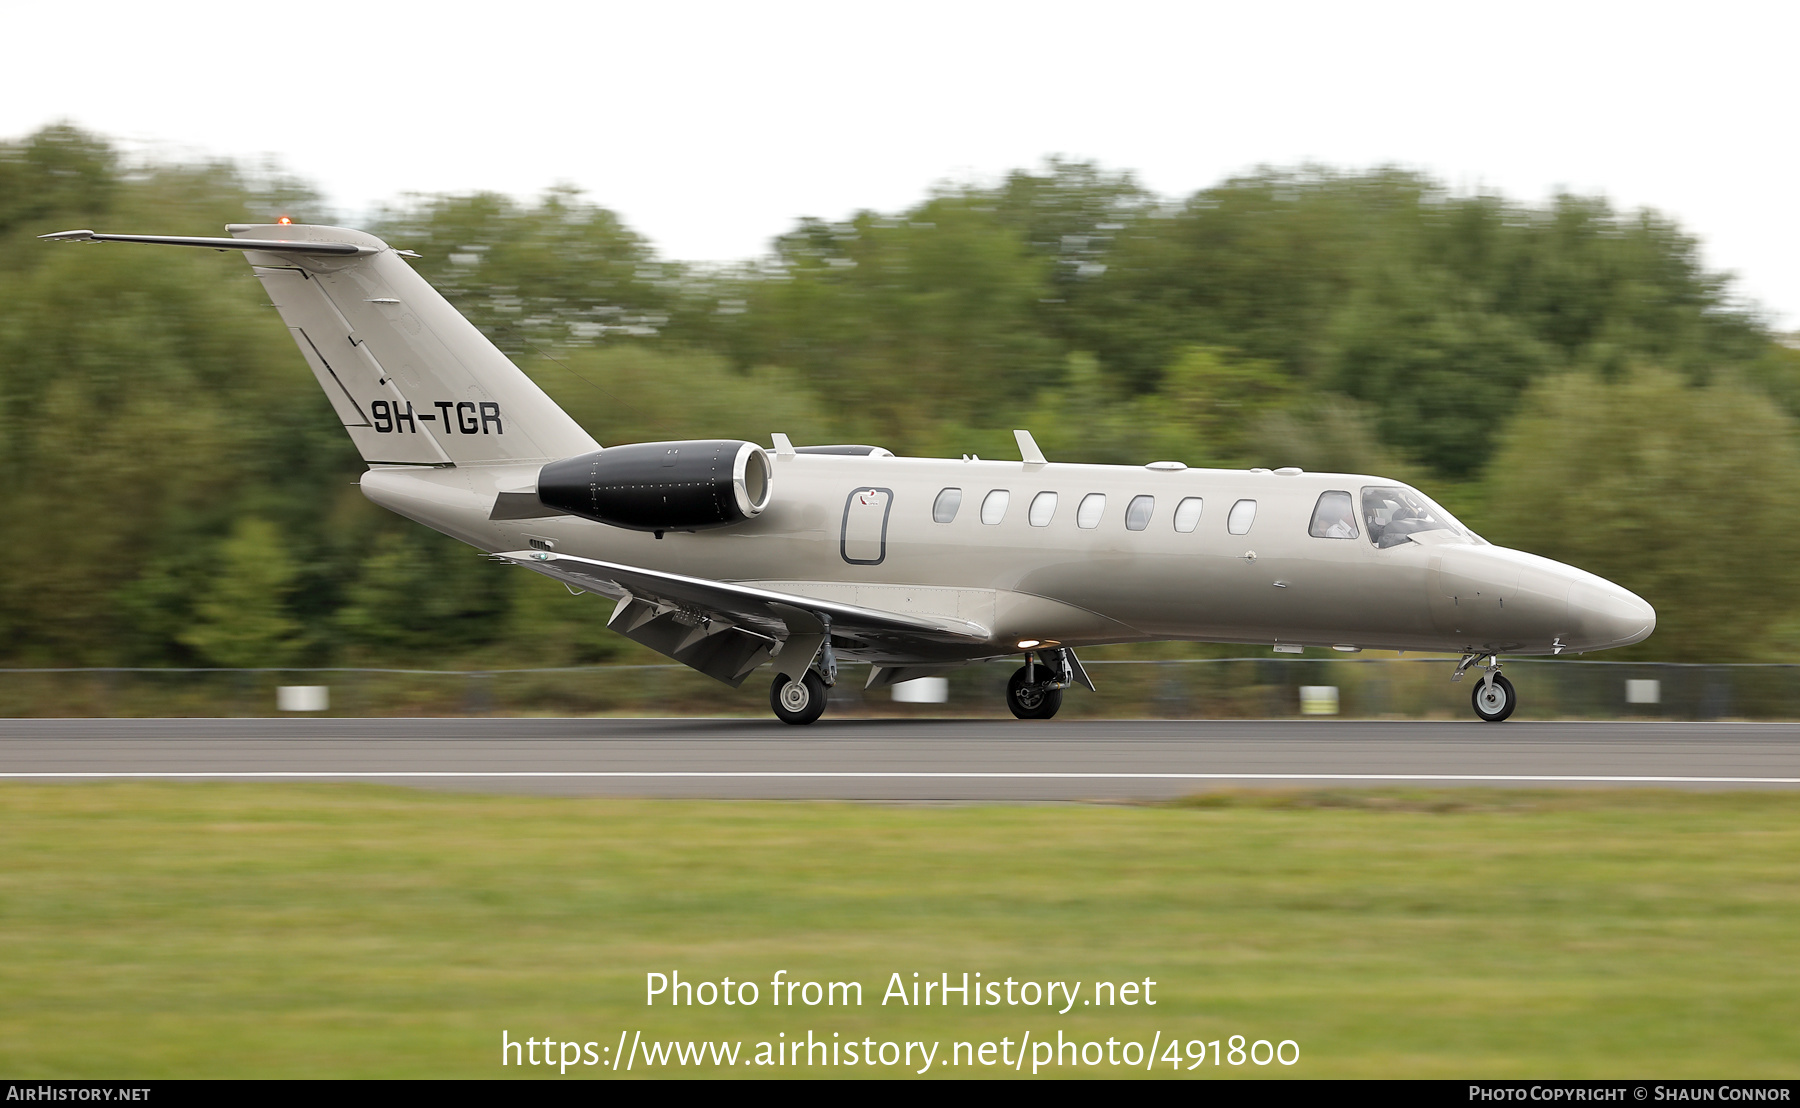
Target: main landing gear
column 1036, row 689
column 1034, row 692
column 801, row 700
column 1494, row 697
column 798, row 702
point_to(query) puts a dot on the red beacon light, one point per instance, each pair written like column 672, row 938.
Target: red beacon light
column 284, row 221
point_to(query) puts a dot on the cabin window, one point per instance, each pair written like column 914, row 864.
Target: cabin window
column 1187, row 514
column 1137, row 513
column 993, row 506
column 1243, row 514
column 1043, row 507
column 1092, row 507
column 943, row 509
column 1334, row 517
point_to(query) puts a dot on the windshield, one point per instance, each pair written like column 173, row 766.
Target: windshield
column 1394, row 513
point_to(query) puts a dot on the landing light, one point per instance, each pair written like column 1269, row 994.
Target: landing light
column 1027, row 644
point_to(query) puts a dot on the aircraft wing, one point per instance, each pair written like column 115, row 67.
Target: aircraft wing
column 725, row 630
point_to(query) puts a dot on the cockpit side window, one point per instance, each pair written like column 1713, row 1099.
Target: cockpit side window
column 1334, row 517
column 1393, row 514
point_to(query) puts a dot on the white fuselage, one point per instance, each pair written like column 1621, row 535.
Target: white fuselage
column 861, row 530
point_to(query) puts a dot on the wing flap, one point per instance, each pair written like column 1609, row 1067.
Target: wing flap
column 763, row 611
column 720, row 650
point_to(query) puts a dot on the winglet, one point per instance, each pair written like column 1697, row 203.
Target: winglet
column 1028, row 449
column 784, row 446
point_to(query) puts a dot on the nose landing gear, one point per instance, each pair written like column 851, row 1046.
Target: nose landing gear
column 1494, row 697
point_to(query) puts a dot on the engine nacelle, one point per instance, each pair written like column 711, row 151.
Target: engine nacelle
column 662, row 486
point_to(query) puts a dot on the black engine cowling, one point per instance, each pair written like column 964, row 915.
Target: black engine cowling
column 661, row 486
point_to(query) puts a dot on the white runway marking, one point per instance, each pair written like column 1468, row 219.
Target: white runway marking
column 895, row 775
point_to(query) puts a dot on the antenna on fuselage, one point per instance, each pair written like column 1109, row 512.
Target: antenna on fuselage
column 1028, row 449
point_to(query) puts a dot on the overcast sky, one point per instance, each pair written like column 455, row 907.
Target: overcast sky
column 712, row 126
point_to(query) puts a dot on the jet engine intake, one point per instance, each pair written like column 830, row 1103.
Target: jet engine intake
column 662, row 486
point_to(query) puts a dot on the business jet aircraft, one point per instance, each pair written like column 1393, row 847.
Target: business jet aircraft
column 724, row 555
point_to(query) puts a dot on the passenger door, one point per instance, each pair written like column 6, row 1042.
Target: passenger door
column 863, row 541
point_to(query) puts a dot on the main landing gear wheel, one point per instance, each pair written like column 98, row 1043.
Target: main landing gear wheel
column 1032, row 700
column 798, row 702
column 1494, row 702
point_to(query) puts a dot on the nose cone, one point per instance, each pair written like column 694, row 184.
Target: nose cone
column 1606, row 615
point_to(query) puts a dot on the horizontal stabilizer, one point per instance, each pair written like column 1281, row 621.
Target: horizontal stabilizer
column 273, row 246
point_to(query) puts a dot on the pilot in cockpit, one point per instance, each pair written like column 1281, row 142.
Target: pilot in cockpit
column 1334, row 517
column 1340, row 524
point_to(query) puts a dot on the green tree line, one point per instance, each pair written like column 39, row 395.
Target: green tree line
column 1569, row 378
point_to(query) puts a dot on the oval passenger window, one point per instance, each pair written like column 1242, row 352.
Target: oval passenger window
column 993, row 506
column 1187, row 514
column 1243, row 514
column 1138, row 512
column 943, row 509
column 1093, row 506
column 1043, row 507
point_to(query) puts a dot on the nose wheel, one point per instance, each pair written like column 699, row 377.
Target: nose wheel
column 1494, row 699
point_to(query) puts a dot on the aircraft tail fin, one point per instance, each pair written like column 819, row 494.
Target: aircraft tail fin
column 412, row 381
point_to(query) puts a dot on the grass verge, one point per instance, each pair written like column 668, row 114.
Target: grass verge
column 197, row 930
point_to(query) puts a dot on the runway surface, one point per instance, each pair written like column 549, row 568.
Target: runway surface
column 903, row 759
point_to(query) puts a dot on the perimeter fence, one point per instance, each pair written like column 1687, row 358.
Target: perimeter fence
column 1201, row 688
